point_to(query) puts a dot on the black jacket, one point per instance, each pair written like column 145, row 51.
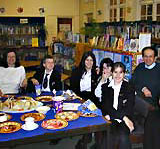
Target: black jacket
column 126, row 101
column 54, row 81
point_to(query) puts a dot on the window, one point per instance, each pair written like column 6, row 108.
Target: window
column 158, row 12
column 122, row 14
column 146, row 12
column 113, row 10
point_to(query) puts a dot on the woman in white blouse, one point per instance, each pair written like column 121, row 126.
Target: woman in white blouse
column 84, row 78
column 12, row 75
column 117, row 105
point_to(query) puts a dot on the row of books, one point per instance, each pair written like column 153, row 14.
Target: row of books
column 134, row 30
column 119, row 43
column 19, row 29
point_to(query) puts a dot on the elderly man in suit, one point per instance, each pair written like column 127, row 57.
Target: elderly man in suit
column 47, row 76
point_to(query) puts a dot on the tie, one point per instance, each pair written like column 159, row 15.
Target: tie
column 45, row 81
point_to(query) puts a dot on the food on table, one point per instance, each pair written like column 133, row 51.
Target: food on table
column 13, row 104
column 36, row 116
column 87, row 114
column 25, row 97
column 54, row 124
column 44, row 98
column 68, row 116
column 43, row 109
column 9, row 127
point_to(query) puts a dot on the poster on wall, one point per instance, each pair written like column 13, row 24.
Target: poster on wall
column 144, row 40
column 127, row 61
column 108, row 55
column 99, row 56
column 117, row 57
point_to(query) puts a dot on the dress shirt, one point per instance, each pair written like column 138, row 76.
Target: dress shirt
column 85, row 82
column 116, row 89
column 47, row 89
column 150, row 66
column 98, row 90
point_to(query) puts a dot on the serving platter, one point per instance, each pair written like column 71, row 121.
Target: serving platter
column 44, row 98
column 54, row 124
column 36, row 116
column 68, row 116
column 19, row 106
column 10, row 127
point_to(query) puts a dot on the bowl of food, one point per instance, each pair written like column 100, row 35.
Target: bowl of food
column 43, row 109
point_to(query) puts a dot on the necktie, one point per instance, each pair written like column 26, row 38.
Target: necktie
column 45, row 81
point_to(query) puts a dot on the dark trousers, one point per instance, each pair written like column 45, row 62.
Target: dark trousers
column 152, row 130
column 119, row 136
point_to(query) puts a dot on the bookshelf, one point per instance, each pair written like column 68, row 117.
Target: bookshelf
column 19, row 31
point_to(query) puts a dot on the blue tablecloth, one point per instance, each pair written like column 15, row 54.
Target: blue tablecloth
column 79, row 123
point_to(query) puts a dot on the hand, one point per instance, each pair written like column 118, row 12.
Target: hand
column 1, row 94
column 147, row 92
column 105, row 76
column 24, row 83
column 34, row 81
column 107, row 117
column 129, row 123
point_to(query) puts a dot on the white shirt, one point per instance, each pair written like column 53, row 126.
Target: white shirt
column 85, row 82
column 150, row 66
column 116, row 89
column 116, row 92
column 98, row 90
column 47, row 89
column 11, row 79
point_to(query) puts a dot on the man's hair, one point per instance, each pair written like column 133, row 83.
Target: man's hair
column 47, row 57
column 150, row 48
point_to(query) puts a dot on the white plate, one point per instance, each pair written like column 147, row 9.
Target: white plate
column 35, row 126
column 8, row 111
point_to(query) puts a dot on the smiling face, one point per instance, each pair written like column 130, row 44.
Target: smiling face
column 11, row 59
column 88, row 63
column 118, row 75
column 49, row 64
column 149, row 57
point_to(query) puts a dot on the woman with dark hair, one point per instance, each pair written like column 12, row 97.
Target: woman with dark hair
column 117, row 105
column 105, row 76
column 12, row 76
column 84, row 78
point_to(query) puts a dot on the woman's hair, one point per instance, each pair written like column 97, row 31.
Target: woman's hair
column 5, row 55
column 119, row 64
column 106, row 61
column 84, row 57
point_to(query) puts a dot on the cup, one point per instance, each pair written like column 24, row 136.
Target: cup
column 38, row 89
column 3, row 117
column 58, row 106
column 29, row 122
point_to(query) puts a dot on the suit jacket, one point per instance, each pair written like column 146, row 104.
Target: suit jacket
column 54, row 81
column 75, row 81
column 126, row 100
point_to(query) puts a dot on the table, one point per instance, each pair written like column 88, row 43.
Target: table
column 80, row 126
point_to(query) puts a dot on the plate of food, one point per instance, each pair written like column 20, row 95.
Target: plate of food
column 86, row 114
column 25, row 97
column 12, row 105
column 44, row 98
column 54, row 124
column 36, row 116
column 68, row 116
column 10, row 127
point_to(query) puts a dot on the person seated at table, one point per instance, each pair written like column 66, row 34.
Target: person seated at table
column 105, row 76
column 12, row 76
column 117, row 105
column 46, row 76
column 84, row 78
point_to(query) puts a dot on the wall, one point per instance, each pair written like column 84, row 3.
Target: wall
column 53, row 10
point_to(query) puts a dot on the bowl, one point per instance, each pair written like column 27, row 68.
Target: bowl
column 43, row 109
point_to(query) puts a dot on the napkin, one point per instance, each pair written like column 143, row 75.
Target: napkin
column 90, row 108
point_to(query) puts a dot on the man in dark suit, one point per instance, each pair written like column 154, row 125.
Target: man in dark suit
column 47, row 76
